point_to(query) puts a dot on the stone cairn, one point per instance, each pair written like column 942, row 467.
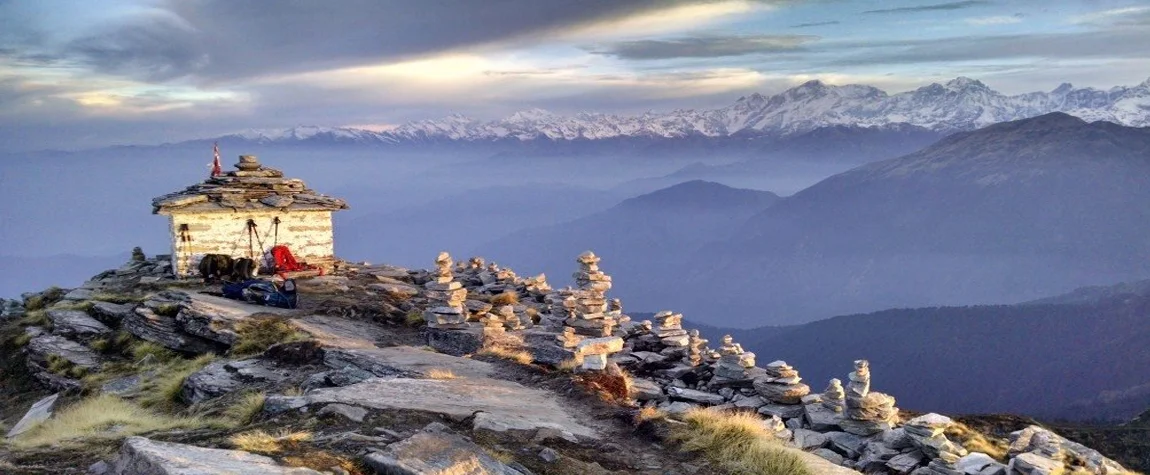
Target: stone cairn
column 781, row 384
column 733, row 361
column 492, row 324
column 511, row 321
column 595, row 351
column 568, row 339
column 448, row 295
column 696, row 345
column 670, row 330
column 833, row 397
column 590, row 316
column 866, row 412
column 928, row 434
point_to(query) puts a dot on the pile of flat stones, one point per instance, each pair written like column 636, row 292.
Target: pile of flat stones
column 447, row 296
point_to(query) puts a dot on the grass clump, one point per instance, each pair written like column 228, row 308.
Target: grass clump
column 413, row 318
column 262, row 442
column 737, row 442
column 44, row 299
column 324, row 461
column 62, row 366
column 244, row 410
column 90, row 420
column 505, row 298
column 569, row 365
column 510, row 354
column 256, row 335
column 440, row 373
column 35, row 318
column 120, row 342
column 610, row 386
column 21, row 340
column 167, row 309
column 142, row 349
column 163, row 390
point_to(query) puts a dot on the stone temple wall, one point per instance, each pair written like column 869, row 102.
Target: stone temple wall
column 307, row 233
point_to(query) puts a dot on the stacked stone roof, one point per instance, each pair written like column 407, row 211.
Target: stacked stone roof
column 251, row 187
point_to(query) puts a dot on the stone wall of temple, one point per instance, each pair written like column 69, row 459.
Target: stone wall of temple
column 307, row 233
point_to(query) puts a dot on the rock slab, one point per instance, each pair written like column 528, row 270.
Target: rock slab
column 428, row 453
column 142, row 456
column 39, row 412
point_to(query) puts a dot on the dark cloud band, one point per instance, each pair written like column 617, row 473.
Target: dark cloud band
column 704, row 46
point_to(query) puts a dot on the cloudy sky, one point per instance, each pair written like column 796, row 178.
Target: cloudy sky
column 78, row 73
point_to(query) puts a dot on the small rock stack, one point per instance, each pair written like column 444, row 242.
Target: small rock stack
column 928, row 434
column 695, row 346
column 733, row 361
column 669, row 329
column 833, row 398
column 492, row 324
column 510, row 320
column 591, row 317
column 568, row 338
column 448, row 295
column 866, row 412
column 781, row 384
column 537, row 286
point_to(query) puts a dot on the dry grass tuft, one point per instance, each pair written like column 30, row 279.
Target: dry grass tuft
column 257, row 334
column 737, row 442
column 440, row 373
column 649, row 413
column 245, row 409
column 511, row 354
column 324, row 461
column 610, row 387
column 975, row 441
column 163, row 390
column 262, row 442
column 505, row 298
column 569, row 366
column 35, row 318
column 94, row 418
column 59, row 365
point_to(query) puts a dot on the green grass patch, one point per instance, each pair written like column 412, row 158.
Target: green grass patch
column 44, row 299
column 35, row 318
column 138, row 350
column 257, row 334
column 117, row 298
column 167, row 309
column 737, row 442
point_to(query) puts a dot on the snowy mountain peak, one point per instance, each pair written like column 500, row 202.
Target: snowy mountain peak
column 958, row 105
column 962, row 83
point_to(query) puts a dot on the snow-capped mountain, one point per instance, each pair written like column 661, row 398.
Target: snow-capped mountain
column 960, row 104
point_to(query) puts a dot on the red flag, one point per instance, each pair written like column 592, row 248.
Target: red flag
column 217, row 170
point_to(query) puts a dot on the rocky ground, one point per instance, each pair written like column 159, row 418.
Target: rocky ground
column 385, row 370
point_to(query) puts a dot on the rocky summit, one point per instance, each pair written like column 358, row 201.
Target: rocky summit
column 466, row 368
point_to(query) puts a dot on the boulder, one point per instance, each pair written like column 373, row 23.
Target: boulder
column 76, row 324
column 1034, row 464
column 647, row 390
column 822, row 418
column 849, row 445
column 436, row 453
column 808, row 439
column 455, row 342
column 142, row 456
column 39, row 412
column 519, row 407
column 164, row 331
column 398, row 290
column 785, row 411
column 975, row 462
column 906, row 462
column 403, row 361
column 781, row 393
column 111, row 313
column 829, row 455
column 222, row 377
column 42, row 347
column 352, row 413
column 698, row 397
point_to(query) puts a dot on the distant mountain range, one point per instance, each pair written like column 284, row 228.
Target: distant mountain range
column 1012, row 212
column 1085, row 360
column 961, row 104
